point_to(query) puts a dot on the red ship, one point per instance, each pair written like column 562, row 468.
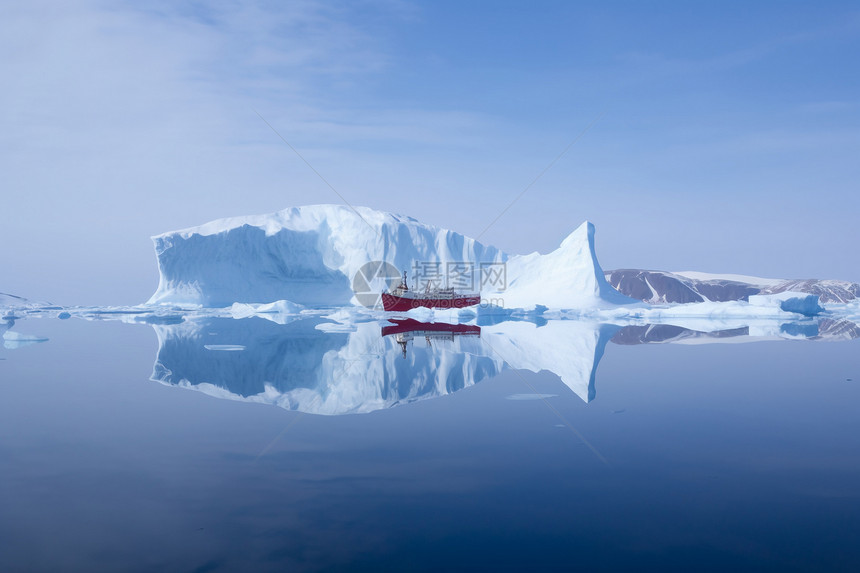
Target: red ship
column 402, row 299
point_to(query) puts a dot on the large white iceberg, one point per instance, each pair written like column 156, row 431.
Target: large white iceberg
column 309, row 255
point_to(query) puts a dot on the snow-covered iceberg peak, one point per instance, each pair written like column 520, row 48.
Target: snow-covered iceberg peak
column 311, row 255
column 568, row 277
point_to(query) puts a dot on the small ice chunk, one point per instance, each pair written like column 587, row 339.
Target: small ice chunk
column 421, row 314
column 245, row 310
column 336, row 327
column 799, row 302
column 224, row 347
column 13, row 340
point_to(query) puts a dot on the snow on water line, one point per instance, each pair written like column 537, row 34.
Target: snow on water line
column 224, row 347
column 700, row 276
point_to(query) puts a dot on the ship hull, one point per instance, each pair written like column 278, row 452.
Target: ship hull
column 427, row 328
column 396, row 303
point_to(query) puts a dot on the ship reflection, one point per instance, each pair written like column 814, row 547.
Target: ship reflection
column 406, row 330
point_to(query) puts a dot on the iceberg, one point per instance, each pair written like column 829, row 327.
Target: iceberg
column 13, row 340
column 311, row 255
column 11, row 300
column 279, row 311
column 568, row 278
column 11, row 304
column 798, row 302
column 306, row 255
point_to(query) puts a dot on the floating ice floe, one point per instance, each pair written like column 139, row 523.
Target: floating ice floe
column 797, row 302
column 13, row 340
column 280, row 311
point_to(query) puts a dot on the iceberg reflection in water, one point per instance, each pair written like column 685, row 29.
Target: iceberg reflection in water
column 316, row 366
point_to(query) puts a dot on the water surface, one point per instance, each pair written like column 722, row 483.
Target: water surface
column 672, row 457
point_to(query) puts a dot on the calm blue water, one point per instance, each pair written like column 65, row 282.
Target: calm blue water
column 706, row 457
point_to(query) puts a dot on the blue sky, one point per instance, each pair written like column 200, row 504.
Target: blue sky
column 723, row 138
